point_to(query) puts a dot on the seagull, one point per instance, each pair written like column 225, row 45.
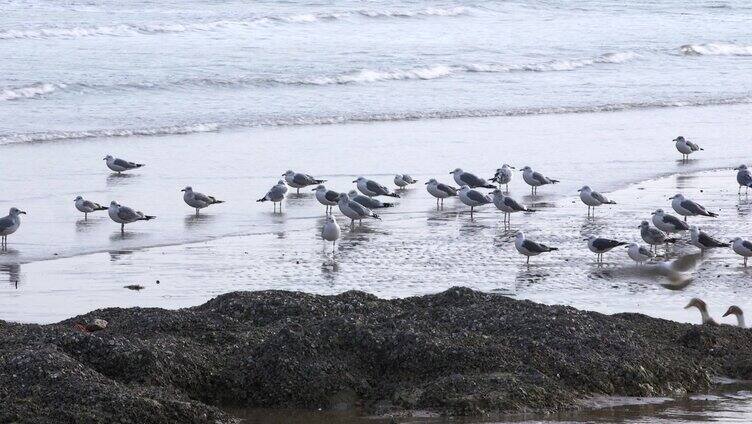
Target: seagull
column 371, row 188
column 403, row 180
column 331, row 231
column 653, row 236
column 668, row 223
column 686, row 207
column 638, row 253
column 702, row 241
column 326, row 197
column 471, row 180
column 686, row 147
column 125, row 215
column 744, row 178
column 735, row 310
column 198, row 200
column 87, row 206
column 354, row 210
column 508, row 205
column 297, row 180
column 276, row 195
column 699, row 304
column 369, row 202
column 593, row 198
column 8, row 225
column 473, row 198
column 503, row 175
column 742, row 248
column 599, row 245
column 440, row 191
column 119, row 165
column 535, row 179
column 530, row 248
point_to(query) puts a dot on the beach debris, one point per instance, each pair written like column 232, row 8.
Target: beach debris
column 134, row 287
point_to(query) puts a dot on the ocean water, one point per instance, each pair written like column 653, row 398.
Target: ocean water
column 86, row 68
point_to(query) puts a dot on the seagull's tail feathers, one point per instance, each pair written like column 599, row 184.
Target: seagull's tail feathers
column 215, row 201
column 263, row 199
column 101, row 208
column 375, row 216
column 489, row 186
column 320, row 181
column 712, row 214
column 392, row 195
column 551, row 249
column 610, row 202
column 672, row 240
column 147, row 218
column 139, row 165
column 387, row 205
column 553, row 181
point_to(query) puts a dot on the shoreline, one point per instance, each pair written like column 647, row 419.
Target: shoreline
column 459, row 352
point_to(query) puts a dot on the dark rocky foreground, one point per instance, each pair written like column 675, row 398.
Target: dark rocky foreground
column 457, row 352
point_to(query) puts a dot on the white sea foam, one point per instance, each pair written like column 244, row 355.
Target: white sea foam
column 28, row 91
column 717, row 49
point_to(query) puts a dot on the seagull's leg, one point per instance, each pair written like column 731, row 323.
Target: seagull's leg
column 196, row 211
column 122, row 229
column 298, row 191
column 86, row 216
column 507, row 188
column 528, row 260
column 334, row 245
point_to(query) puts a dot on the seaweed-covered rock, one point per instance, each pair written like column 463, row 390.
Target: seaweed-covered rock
column 459, row 352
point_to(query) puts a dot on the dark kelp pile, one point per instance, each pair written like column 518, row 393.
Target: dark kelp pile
column 459, row 352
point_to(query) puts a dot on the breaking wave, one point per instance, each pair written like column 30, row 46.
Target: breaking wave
column 716, row 49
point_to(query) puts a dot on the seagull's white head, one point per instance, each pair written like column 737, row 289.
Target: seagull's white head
column 108, row 157
column 320, row 187
column 658, row 212
column 16, row 212
column 359, row 179
column 187, row 189
column 329, row 219
column 281, row 182
column 526, row 168
column 78, row 198
column 456, row 171
column 736, row 239
column 694, row 230
column 644, row 224
column 352, row 193
column 432, row 181
column 678, row 196
column 497, row 192
column 398, row 176
column 520, row 235
column 114, row 203
column 741, row 167
column 585, row 188
column 505, row 166
column 680, row 138
column 343, row 197
column 288, row 173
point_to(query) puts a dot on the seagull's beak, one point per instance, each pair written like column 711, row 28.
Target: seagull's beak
column 735, row 169
column 513, row 167
column 579, row 190
column 425, row 183
column 355, row 181
column 23, row 212
column 585, row 239
column 652, row 213
column 182, row 190
column 314, row 189
column 639, row 226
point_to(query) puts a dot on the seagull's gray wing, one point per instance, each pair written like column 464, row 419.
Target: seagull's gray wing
column 367, row 201
column 447, row 189
column 599, row 197
column 127, row 214
column 203, row 198
column 359, row 209
column 603, row 244
column 304, row 179
column 124, row 163
column 508, row 201
column 693, row 146
column 706, row 240
column 535, row 247
column 471, row 180
column 744, row 178
column 747, row 245
column 375, row 187
column 91, row 205
column 477, row 196
column 656, row 234
column 6, row 222
column 675, row 222
column 693, row 207
column 331, row 195
column 540, row 178
column 645, row 252
column 408, row 179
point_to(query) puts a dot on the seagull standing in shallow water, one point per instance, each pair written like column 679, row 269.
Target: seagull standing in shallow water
column 686, row 147
column 354, row 210
column 276, row 194
column 119, row 165
column 686, row 207
column 599, row 246
column 440, row 191
column 326, row 197
column 471, row 180
column 369, row 202
column 593, row 198
column 87, row 206
column 703, row 241
column 198, row 200
column 535, row 179
column 473, row 198
column 668, row 223
column 331, row 231
column 403, row 180
column 742, row 248
column 653, row 236
column 8, row 225
column 297, row 180
column 503, row 175
column 371, row 188
column 125, row 215
column 744, row 178
column 508, row 205
column 530, row 248
column 638, row 253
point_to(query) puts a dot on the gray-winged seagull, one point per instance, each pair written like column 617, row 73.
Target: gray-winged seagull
column 530, row 248
column 535, row 179
column 87, row 206
column 686, row 207
column 125, row 215
column 198, row 200
column 471, row 180
column 297, row 180
column 8, row 225
column 119, row 165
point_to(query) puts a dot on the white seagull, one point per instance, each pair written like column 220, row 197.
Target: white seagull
column 668, row 223
column 276, row 194
column 742, row 248
column 638, row 253
column 685, row 147
column 331, row 231
column 503, row 175
column 371, row 188
column 297, row 180
column 440, row 191
column 508, row 205
column 593, row 198
column 119, row 165
column 403, row 180
column 354, row 210
column 198, row 200
column 535, row 179
column 686, row 207
column 326, row 197
column 473, row 198
column 8, row 225
column 530, row 248
column 744, row 178
column 125, row 215
column 471, row 180
column 87, row 206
